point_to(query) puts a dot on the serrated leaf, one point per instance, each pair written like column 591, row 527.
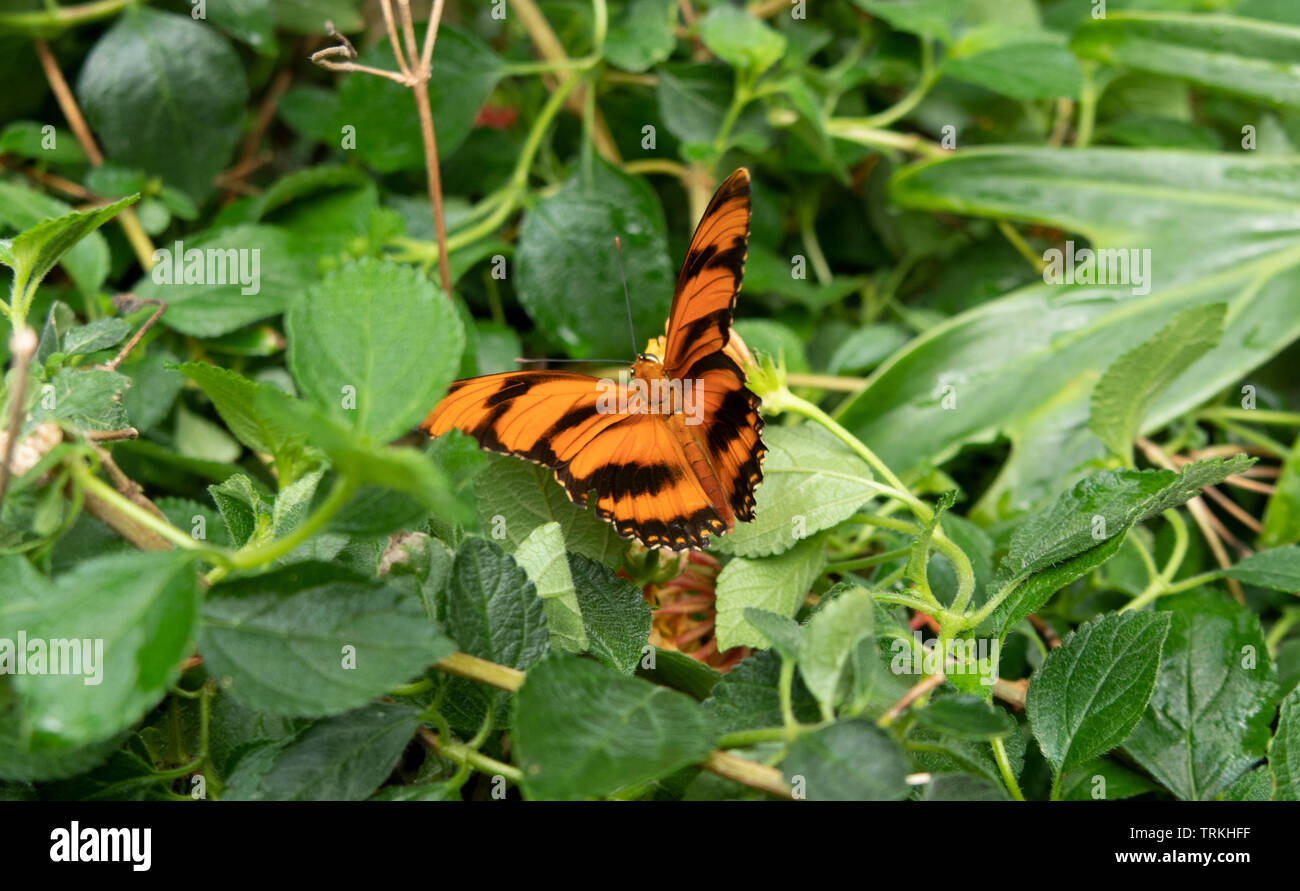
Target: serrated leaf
column 1210, row 713
column 782, row 632
column 811, row 482
column 1034, row 593
column 343, row 758
column 582, row 730
column 1284, row 751
column 374, row 346
column 615, row 614
column 778, row 584
column 748, row 696
column 314, row 639
column 1091, row 691
column 1130, row 386
column 86, row 399
column 94, row 336
column 740, row 39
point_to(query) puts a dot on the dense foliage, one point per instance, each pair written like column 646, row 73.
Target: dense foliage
column 1023, row 296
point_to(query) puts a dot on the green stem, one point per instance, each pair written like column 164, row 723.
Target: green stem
column 1004, row 768
column 1087, row 109
column 929, row 75
column 1179, row 552
column 785, row 688
column 126, row 506
column 1252, row 415
column 867, row 562
column 61, row 16
column 807, row 212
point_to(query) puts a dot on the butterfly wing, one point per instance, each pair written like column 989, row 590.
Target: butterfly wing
column 699, row 327
column 640, row 473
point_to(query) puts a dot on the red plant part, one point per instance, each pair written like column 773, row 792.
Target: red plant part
column 685, row 613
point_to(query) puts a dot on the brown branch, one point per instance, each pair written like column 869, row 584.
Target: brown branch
column 747, row 773
column 126, row 303
column 919, row 689
column 1045, row 631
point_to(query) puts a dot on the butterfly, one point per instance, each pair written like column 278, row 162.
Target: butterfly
column 674, row 452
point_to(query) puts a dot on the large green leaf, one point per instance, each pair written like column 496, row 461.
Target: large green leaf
column 1284, row 751
column 847, row 761
column 314, row 639
column 1255, row 59
column 1213, row 701
column 1220, row 229
column 568, row 271
column 131, row 617
column 1091, row 691
column 777, row 584
column 52, row 232
column 374, row 346
column 165, row 93
column 583, row 730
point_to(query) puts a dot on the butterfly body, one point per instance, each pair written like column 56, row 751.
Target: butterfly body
column 672, row 451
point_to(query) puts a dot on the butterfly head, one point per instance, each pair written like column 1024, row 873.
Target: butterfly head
column 647, row 366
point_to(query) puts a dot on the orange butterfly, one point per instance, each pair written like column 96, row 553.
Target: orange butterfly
column 675, row 452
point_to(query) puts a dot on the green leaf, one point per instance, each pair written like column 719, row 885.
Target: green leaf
column 248, row 21
column 1213, row 701
column 965, row 717
column 1103, row 780
column 28, row 139
column 1091, row 691
column 138, row 613
column 679, row 671
column 741, row 40
column 343, row 758
column 778, row 584
column 49, row 236
column 1130, row 386
column 1284, row 751
column 1023, row 367
column 465, row 72
column 374, row 346
column 963, row 787
column 928, row 18
column 1282, row 515
column 615, row 614
column 748, row 697
column 542, row 556
column 256, row 281
column 245, row 509
column 642, row 36
column 847, row 761
column 811, row 482
column 1245, row 57
column 829, row 641
column 166, row 94
column 568, row 274
column 87, row 400
column 313, row 639
column 525, row 496
column 1278, row 569
column 240, row 401
column 1104, row 505
column 1002, row 68
column 94, row 336
column 583, row 731
column 492, row 611
column 782, row 632
column 1031, row 595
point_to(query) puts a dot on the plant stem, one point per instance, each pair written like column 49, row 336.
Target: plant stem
column 125, row 506
column 1004, row 768
column 1253, row 415
column 22, row 347
column 867, row 562
column 929, row 75
column 61, row 16
column 261, row 555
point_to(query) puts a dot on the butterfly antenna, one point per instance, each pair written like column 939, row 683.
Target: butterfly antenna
column 544, row 359
column 627, row 298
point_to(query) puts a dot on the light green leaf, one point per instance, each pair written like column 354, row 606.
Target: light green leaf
column 643, row 35
column 811, row 482
column 542, row 556
column 965, row 716
column 615, row 614
column 1091, row 691
column 777, row 584
column 740, row 39
column 374, row 346
column 137, row 612
column 1247, row 57
column 782, row 632
column 829, row 642
column 1278, row 569
column 1130, row 386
